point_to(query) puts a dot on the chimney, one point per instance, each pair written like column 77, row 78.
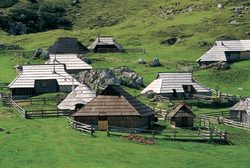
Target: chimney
column 98, row 37
column 222, row 43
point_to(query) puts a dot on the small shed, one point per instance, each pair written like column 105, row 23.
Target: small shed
column 105, row 44
column 241, row 111
column 115, row 107
column 45, row 78
column 176, row 85
column 226, row 51
column 77, row 98
column 182, row 116
column 68, row 45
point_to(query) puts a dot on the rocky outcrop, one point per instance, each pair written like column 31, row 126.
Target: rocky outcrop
column 155, row 62
column 102, row 78
column 217, row 66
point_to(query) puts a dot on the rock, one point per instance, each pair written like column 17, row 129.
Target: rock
column 38, row 52
column 45, row 55
column 141, row 61
column 217, row 66
column 150, row 94
column 7, row 132
column 220, row 6
column 169, row 41
column 240, row 89
column 155, row 62
column 233, row 22
column 18, row 68
column 17, row 28
column 1, row 129
column 247, row 33
column 239, row 9
column 87, row 60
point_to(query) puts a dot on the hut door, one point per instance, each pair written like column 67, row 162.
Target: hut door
column 184, row 122
column 103, row 122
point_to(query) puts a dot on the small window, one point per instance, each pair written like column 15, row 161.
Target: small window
column 44, row 84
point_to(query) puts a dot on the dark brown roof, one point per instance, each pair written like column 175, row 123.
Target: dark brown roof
column 114, row 101
column 181, row 110
column 67, row 45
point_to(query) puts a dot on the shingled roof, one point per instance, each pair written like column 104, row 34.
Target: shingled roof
column 67, row 45
column 71, row 61
column 166, row 82
column 243, row 105
column 81, row 95
column 30, row 73
column 104, row 41
column 114, row 101
column 183, row 110
column 218, row 51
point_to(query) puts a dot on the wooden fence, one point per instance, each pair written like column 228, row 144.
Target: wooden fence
column 128, row 50
column 81, row 127
column 201, row 134
column 18, row 108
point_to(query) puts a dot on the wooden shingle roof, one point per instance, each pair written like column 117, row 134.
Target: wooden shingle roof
column 218, row 51
column 67, row 45
column 181, row 110
column 114, row 101
column 30, row 73
column 71, row 61
column 166, row 82
column 243, row 105
column 104, row 41
column 81, row 95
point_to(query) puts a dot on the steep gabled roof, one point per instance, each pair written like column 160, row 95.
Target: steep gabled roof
column 104, row 41
column 81, row 95
column 30, row 73
column 183, row 110
column 114, row 101
column 71, row 61
column 67, row 45
column 218, row 51
column 166, row 82
column 243, row 105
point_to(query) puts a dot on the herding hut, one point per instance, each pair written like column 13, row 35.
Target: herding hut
column 105, row 44
column 226, row 51
column 182, row 116
column 46, row 78
column 115, row 107
column 176, row 85
column 77, row 98
column 67, row 45
column 241, row 111
column 66, row 51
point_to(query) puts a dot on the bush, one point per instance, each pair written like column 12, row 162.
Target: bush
column 7, row 3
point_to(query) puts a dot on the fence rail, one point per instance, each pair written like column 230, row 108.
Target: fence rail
column 81, row 127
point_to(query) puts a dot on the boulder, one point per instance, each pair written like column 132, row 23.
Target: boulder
column 220, row 6
column 238, row 9
column 38, row 52
column 170, row 41
column 155, row 62
column 141, row 61
column 1, row 129
column 87, row 60
column 150, row 94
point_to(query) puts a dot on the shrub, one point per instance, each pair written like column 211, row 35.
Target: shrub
column 7, row 3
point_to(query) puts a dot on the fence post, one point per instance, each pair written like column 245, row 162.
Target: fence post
column 44, row 101
column 153, row 132
column 92, row 131
column 42, row 113
column 25, row 114
column 108, row 134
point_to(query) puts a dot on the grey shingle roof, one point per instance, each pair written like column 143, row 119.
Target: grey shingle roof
column 71, row 61
column 217, row 52
column 81, row 95
column 67, row 45
column 243, row 105
column 30, row 73
column 105, row 40
column 166, row 82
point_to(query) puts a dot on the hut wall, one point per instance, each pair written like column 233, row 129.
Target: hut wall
column 235, row 114
column 105, row 48
column 178, row 122
column 66, row 88
column 119, row 121
column 245, row 118
column 22, row 91
column 46, row 86
column 245, row 55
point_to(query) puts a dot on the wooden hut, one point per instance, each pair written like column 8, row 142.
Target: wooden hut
column 115, row 107
column 226, row 51
column 77, row 98
column 46, row 78
column 182, row 116
column 66, row 51
column 176, row 85
column 105, row 44
column 241, row 111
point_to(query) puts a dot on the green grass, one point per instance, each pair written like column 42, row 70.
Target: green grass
column 51, row 143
